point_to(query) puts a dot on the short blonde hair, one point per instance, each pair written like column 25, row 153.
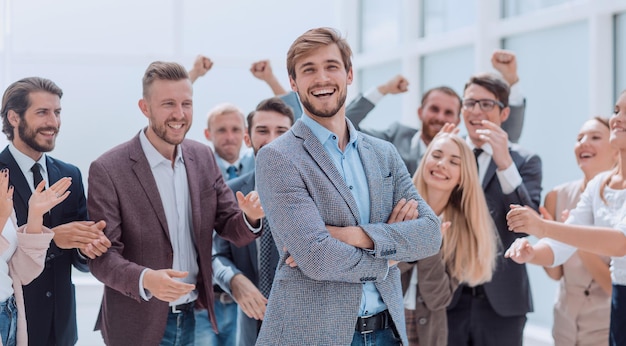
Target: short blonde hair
column 314, row 39
column 224, row 108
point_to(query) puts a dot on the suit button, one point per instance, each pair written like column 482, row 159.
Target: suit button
column 51, row 256
column 48, row 294
column 420, row 299
column 422, row 321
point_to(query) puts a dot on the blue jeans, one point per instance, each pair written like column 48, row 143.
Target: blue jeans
column 382, row 337
column 226, row 316
column 618, row 316
column 8, row 322
column 179, row 330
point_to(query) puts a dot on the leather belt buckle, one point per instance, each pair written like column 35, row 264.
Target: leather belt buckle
column 368, row 324
column 225, row 298
column 177, row 309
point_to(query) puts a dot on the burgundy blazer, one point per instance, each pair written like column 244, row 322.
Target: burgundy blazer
column 123, row 192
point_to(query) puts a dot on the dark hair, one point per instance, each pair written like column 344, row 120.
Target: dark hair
column 444, row 89
column 494, row 84
column 17, row 99
column 313, row 39
column 274, row 104
column 162, row 71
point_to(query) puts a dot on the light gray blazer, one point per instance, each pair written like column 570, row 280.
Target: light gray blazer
column 301, row 190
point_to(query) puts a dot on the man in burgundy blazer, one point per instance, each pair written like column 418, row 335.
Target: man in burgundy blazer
column 145, row 189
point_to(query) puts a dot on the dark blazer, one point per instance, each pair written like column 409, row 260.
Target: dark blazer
column 508, row 291
column 401, row 135
column 123, row 192
column 49, row 299
column 230, row 260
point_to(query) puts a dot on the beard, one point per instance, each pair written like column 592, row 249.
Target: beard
column 161, row 132
column 28, row 135
column 323, row 113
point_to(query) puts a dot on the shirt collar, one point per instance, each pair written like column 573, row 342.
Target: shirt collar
column 227, row 164
column 323, row 134
column 486, row 147
column 26, row 163
column 153, row 155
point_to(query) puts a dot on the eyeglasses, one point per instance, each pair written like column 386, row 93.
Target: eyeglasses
column 485, row 104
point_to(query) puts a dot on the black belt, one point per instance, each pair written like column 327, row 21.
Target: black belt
column 177, row 309
column 476, row 291
column 381, row 320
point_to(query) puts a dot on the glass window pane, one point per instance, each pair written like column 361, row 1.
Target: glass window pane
column 557, row 106
column 620, row 53
column 389, row 109
column 447, row 15
column 512, row 8
column 380, row 24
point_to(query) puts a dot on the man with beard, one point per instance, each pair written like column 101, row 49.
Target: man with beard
column 162, row 196
column 442, row 105
column 31, row 115
column 247, row 272
column 343, row 211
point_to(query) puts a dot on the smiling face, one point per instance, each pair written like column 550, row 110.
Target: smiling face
column 438, row 109
column 321, row 81
column 593, row 150
column 618, row 124
column 473, row 117
column 266, row 127
column 36, row 132
column 442, row 165
column 169, row 108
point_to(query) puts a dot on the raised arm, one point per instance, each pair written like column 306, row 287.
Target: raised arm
column 201, row 66
column 263, row 70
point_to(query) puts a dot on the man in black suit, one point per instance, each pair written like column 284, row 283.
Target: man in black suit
column 238, row 269
column 509, row 175
column 31, row 110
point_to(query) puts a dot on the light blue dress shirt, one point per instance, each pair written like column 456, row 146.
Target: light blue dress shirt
column 350, row 167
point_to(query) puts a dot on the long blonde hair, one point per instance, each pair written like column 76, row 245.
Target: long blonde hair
column 470, row 244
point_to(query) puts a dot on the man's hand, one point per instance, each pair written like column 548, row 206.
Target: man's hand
column 250, row 299
column 504, row 61
column 520, row 251
column 395, row 85
column 251, row 206
column 201, row 66
column 263, row 70
column 404, row 211
column 99, row 246
column 524, row 220
column 77, row 234
column 499, row 141
column 162, row 285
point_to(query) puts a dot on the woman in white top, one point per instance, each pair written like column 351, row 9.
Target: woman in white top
column 603, row 203
column 447, row 179
column 22, row 253
column 582, row 310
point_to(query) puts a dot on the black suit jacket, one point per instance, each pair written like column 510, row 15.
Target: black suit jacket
column 509, row 290
column 49, row 299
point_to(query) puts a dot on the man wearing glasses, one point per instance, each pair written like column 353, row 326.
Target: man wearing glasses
column 509, row 175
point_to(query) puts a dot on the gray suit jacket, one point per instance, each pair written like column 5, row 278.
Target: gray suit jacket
column 230, row 260
column 302, row 191
column 401, row 135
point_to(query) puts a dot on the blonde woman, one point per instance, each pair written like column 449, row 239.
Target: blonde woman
column 447, row 179
column 22, row 253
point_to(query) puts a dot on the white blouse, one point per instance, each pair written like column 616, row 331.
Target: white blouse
column 9, row 233
column 592, row 211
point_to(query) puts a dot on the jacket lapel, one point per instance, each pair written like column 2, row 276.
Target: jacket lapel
column 21, row 192
column 54, row 174
column 193, row 181
column 317, row 152
column 375, row 176
column 142, row 171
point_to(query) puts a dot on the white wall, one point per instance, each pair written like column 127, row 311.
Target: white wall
column 97, row 51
